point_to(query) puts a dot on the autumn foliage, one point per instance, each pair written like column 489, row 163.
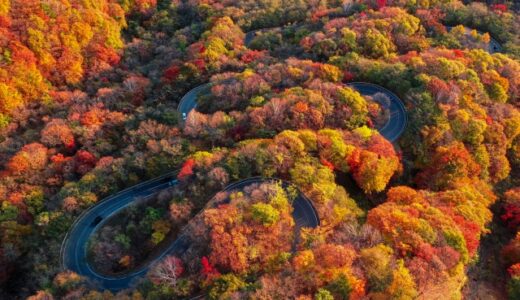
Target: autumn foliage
column 85, row 113
column 186, row 170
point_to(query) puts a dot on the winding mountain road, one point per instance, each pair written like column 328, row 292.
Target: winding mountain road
column 396, row 124
column 250, row 35
column 391, row 130
column 189, row 100
column 74, row 247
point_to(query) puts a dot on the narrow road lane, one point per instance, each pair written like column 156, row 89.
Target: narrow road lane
column 392, row 130
column 398, row 120
column 74, row 248
column 189, row 100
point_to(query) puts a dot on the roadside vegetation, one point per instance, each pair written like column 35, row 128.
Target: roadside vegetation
column 88, row 106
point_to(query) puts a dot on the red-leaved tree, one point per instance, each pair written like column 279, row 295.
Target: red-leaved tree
column 187, row 169
column 208, row 270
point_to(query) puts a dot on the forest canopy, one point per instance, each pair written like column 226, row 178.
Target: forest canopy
column 91, row 104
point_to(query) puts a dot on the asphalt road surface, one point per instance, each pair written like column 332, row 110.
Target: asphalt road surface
column 392, row 130
column 250, row 35
column 189, row 100
column 74, row 247
column 396, row 124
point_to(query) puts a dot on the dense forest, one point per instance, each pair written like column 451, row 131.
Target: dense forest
column 89, row 96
